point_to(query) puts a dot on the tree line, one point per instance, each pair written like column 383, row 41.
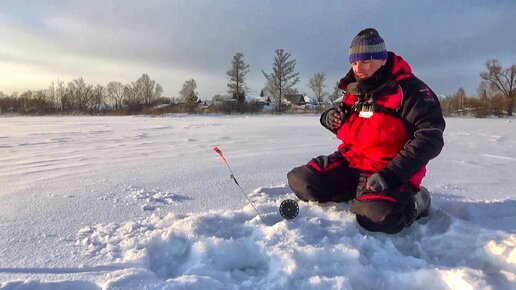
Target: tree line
column 144, row 94
column 77, row 96
column 496, row 93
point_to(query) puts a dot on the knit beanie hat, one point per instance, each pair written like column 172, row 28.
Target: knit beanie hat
column 367, row 45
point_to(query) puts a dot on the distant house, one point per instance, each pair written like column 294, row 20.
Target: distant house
column 296, row 99
column 264, row 101
column 299, row 100
column 310, row 101
column 206, row 106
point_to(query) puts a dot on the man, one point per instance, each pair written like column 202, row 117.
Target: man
column 391, row 125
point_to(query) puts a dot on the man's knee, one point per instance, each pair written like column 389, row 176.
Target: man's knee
column 305, row 184
column 382, row 215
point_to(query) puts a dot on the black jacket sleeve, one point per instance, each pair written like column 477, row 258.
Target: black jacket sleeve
column 422, row 115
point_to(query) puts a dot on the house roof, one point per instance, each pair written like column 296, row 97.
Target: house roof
column 258, row 99
column 295, row 99
column 308, row 100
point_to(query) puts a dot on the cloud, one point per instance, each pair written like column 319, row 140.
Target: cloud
column 173, row 41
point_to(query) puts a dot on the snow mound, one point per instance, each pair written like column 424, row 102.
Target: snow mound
column 323, row 248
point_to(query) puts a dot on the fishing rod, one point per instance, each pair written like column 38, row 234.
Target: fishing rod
column 216, row 149
column 288, row 209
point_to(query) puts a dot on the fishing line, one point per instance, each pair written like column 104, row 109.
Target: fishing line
column 216, row 149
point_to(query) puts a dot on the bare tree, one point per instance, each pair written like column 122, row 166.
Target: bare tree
column 41, row 102
column 115, row 92
column 98, row 98
column 481, row 106
column 79, row 94
column 189, row 95
column 270, row 91
column 148, row 89
column 142, row 92
column 60, row 93
column 158, row 92
column 283, row 76
column 460, row 97
column 501, row 80
column 51, row 94
column 337, row 92
column 236, row 85
column 218, row 98
column 316, row 84
column 132, row 98
column 54, row 94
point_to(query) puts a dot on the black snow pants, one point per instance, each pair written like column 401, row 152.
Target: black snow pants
column 330, row 179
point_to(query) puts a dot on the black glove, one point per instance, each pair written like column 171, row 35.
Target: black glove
column 335, row 118
column 376, row 183
column 332, row 119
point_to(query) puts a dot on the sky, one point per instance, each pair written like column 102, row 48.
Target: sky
column 446, row 42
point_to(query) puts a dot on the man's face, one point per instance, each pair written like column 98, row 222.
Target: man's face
column 363, row 69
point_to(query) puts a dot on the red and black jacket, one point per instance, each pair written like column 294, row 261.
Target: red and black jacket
column 404, row 132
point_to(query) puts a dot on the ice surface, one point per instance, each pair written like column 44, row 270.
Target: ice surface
column 145, row 203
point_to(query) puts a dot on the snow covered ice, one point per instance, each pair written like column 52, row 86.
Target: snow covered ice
column 145, row 203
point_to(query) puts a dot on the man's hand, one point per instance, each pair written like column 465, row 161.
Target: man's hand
column 334, row 118
column 376, row 183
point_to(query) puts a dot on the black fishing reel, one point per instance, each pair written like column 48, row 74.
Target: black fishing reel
column 289, row 209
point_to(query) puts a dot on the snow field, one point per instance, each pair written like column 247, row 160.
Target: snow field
column 144, row 203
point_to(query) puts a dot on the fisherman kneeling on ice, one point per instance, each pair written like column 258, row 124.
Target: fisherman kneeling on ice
column 391, row 125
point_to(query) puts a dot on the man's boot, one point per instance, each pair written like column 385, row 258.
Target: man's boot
column 422, row 202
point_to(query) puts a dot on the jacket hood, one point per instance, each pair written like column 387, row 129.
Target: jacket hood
column 399, row 70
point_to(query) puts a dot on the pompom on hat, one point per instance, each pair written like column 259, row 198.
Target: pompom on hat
column 368, row 44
